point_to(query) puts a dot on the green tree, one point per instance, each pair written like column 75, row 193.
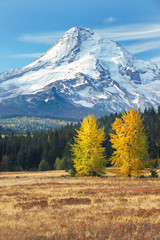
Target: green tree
column 59, row 163
column 43, row 166
column 87, row 150
column 130, row 143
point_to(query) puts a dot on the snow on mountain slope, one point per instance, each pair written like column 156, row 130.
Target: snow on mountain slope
column 85, row 72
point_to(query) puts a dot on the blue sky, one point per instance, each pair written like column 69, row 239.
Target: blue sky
column 29, row 27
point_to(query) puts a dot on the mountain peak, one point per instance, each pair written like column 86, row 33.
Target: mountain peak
column 86, row 74
column 82, row 32
column 66, row 48
column 79, row 29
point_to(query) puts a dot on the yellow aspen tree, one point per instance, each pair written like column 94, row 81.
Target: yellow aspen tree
column 130, row 143
column 87, row 150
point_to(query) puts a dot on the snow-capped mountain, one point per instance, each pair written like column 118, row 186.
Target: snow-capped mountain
column 80, row 74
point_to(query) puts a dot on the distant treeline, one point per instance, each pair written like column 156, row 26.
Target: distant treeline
column 51, row 149
column 20, row 124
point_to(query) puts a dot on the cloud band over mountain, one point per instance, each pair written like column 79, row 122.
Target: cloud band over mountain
column 137, row 38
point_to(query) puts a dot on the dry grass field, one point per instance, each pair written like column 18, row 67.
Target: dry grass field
column 50, row 205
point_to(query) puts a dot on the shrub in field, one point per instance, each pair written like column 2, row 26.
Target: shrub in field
column 59, row 164
column 154, row 173
column 43, row 166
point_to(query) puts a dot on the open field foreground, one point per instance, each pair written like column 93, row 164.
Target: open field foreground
column 49, row 205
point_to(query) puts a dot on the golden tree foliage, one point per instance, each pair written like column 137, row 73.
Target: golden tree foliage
column 130, row 143
column 88, row 153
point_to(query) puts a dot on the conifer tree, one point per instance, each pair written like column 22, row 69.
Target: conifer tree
column 88, row 153
column 130, row 143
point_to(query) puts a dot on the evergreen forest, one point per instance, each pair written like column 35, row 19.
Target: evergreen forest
column 51, row 149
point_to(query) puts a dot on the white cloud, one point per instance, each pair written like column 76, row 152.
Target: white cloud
column 116, row 33
column 142, row 47
column 127, row 34
column 48, row 38
column 27, row 55
column 131, row 32
column 109, row 20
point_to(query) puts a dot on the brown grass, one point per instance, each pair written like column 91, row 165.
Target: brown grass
column 47, row 206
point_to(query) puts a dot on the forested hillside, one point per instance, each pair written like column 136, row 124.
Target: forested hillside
column 51, row 149
column 29, row 124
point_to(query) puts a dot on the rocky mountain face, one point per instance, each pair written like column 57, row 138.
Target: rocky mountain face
column 80, row 74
